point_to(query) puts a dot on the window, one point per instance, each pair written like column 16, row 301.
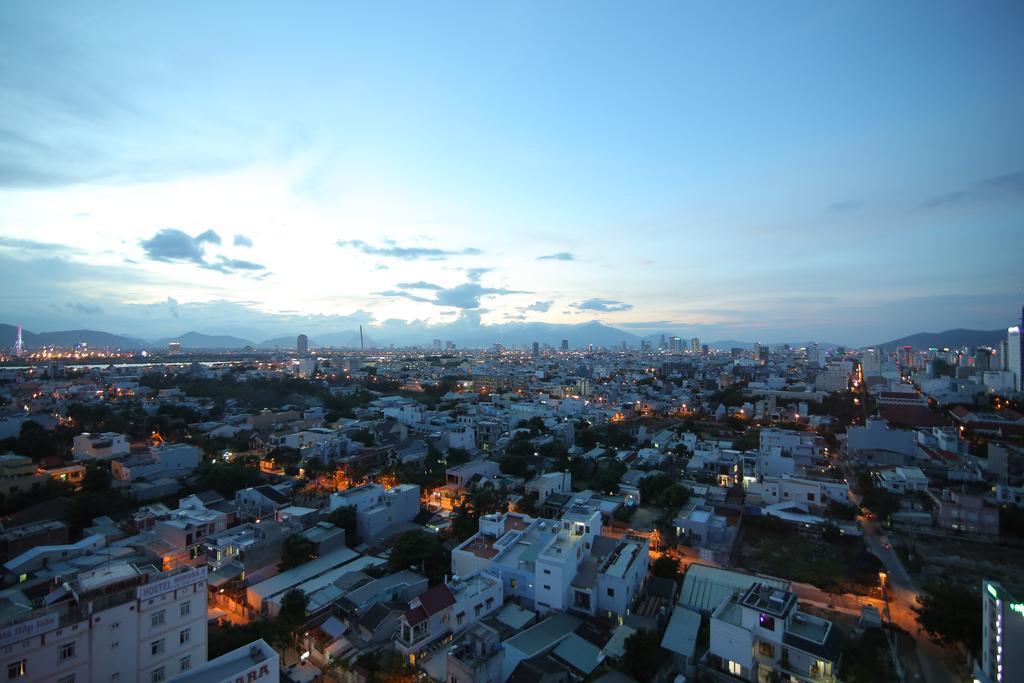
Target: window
column 156, row 647
column 67, row 679
column 611, row 592
column 185, row 636
column 766, row 649
column 67, row 651
column 186, row 609
column 810, row 497
column 185, row 663
column 16, row 669
column 116, row 676
column 547, row 588
column 547, row 571
column 157, row 676
column 514, row 583
column 735, row 669
column 157, row 619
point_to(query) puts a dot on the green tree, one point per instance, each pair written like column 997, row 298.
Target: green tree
column 666, row 567
column 296, row 550
column 422, row 551
column 951, row 613
column 456, row 456
column 227, row 478
column 640, row 653
column 345, row 518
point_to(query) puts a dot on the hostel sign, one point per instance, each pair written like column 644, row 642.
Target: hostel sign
column 172, row 583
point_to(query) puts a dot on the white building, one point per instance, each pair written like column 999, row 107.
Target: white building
column 447, row 609
column 1002, row 631
column 166, row 460
column 378, row 508
column 1013, row 356
column 127, row 625
column 901, row 480
column 256, row 661
column 811, row 492
column 103, row 446
column 759, row 630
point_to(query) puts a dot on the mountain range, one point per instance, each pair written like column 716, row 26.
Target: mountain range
column 464, row 336
column 952, row 339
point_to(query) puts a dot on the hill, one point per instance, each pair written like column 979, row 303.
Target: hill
column 950, row 338
column 66, row 338
column 198, row 340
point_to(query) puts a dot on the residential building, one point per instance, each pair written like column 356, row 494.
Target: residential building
column 18, row 474
column 902, row 480
column 114, row 623
column 165, row 460
column 965, row 512
column 1002, row 632
column 759, row 633
column 103, row 446
column 256, row 661
column 378, row 508
column 447, row 610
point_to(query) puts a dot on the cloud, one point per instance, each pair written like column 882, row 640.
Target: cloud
column 407, row 253
column 242, row 241
column 78, row 307
column 845, row 206
column 602, row 305
column 398, row 294
column 560, row 256
column 172, row 245
column 539, row 306
column 419, row 285
column 227, row 265
column 465, row 296
column 1008, row 185
column 474, row 274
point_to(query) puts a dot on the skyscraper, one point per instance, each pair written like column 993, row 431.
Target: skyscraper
column 1013, row 354
column 536, row 349
column 565, row 344
column 759, row 352
column 695, row 345
column 302, row 344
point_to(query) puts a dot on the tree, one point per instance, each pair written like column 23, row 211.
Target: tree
column 515, row 465
column 345, row 518
column 313, row 468
column 422, row 551
column 296, row 550
column 227, row 478
column 456, row 456
column 641, row 652
column 951, row 613
column 667, row 567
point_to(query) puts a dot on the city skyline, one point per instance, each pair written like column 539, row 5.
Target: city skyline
column 685, row 171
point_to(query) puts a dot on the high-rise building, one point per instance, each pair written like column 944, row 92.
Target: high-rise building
column 536, row 349
column 661, row 344
column 117, row 622
column 173, row 348
column 760, row 352
column 695, row 345
column 565, row 344
column 1002, row 632
column 871, row 363
column 675, row 344
column 1014, row 352
column 302, row 344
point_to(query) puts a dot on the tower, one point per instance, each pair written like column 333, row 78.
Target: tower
column 302, row 344
column 19, row 345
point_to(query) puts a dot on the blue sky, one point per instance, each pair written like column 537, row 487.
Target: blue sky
column 843, row 171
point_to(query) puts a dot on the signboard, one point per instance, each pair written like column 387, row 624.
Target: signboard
column 28, row 629
column 172, row 583
column 265, row 672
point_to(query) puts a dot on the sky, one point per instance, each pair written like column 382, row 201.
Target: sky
column 849, row 171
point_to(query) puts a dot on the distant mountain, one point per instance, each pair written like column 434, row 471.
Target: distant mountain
column 950, row 338
column 66, row 338
column 283, row 343
column 197, row 340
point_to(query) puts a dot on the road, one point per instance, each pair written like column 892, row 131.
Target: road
column 933, row 659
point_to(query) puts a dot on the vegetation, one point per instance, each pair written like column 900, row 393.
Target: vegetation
column 662, row 490
column 640, row 653
column 421, row 551
column 482, row 499
column 607, row 479
column 666, row 567
column 296, row 550
column 345, row 518
column 227, row 478
column 866, row 659
column 951, row 614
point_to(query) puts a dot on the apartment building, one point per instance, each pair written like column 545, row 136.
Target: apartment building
column 105, row 446
column 558, row 564
column 117, row 623
column 378, row 508
column 447, row 610
column 758, row 634
column 1002, row 627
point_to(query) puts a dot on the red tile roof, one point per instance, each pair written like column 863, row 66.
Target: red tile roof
column 436, row 599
